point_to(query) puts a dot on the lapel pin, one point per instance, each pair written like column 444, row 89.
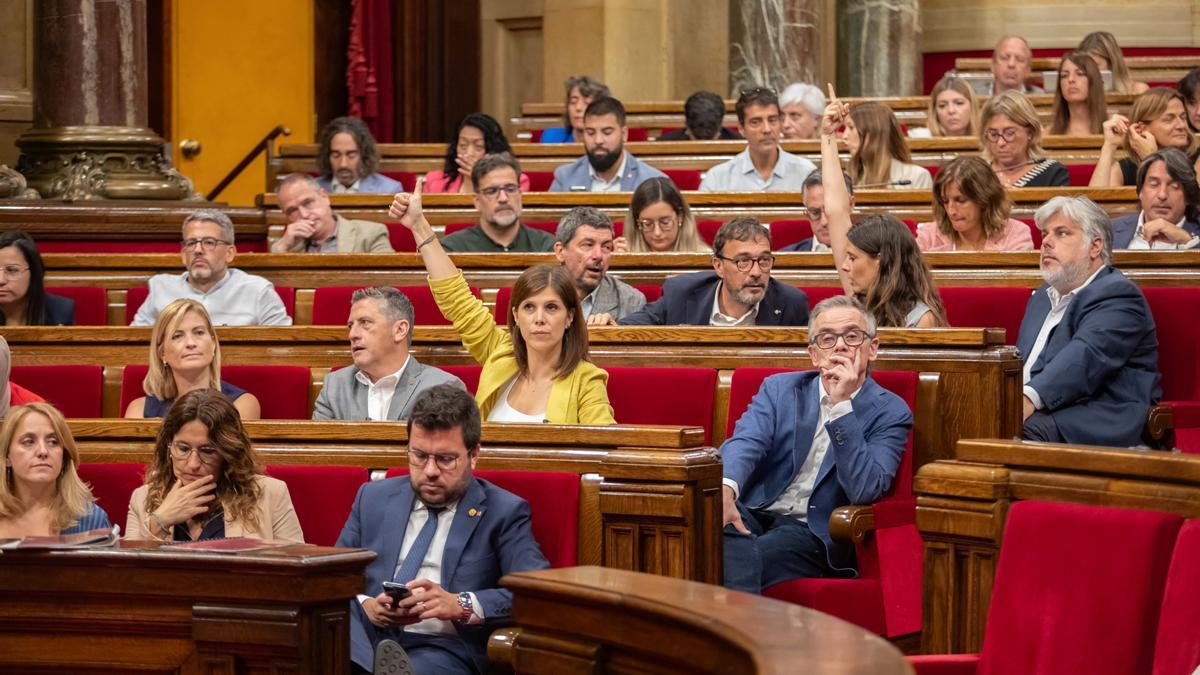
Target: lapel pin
column 778, row 312
column 474, row 513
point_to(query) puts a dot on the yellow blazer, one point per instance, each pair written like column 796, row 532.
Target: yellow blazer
column 579, row 398
column 276, row 515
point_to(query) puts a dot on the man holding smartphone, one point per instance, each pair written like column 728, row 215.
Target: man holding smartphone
column 444, row 539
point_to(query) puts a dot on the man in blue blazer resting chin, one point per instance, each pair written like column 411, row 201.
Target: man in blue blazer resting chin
column 810, row 442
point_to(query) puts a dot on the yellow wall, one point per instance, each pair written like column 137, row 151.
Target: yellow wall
column 238, row 68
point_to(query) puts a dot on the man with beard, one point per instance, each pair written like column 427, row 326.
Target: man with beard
column 606, row 167
column 1088, row 339
column 738, row 292
column 348, row 158
column 426, row 527
column 584, row 246
column 497, row 184
column 1170, row 201
column 232, row 297
column 763, row 166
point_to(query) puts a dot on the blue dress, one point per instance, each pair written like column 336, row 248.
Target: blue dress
column 158, row 408
column 94, row 519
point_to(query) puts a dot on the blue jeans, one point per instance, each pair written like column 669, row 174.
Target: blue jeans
column 778, row 549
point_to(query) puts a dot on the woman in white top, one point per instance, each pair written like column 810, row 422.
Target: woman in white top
column 879, row 157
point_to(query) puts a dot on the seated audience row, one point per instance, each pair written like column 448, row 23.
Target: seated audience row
column 23, row 297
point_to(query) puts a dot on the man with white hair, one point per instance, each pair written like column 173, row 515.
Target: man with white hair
column 1012, row 62
column 1087, row 340
column 802, row 105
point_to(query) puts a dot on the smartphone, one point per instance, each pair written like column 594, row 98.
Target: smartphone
column 396, row 592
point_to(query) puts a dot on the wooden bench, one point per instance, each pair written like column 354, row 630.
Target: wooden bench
column 1141, row 68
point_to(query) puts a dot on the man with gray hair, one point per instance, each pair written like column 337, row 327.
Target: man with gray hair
column 584, row 246
column 1088, row 338
column 1012, row 64
column 802, row 105
column 313, row 227
column 385, row 379
column 808, row 443
column 232, row 297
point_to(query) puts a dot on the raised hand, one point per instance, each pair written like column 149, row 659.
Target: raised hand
column 835, row 113
column 1115, row 129
column 1141, row 140
column 842, row 375
column 300, row 229
column 185, row 502
column 621, row 245
column 406, row 206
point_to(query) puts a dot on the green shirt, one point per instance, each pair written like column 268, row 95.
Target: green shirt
column 474, row 240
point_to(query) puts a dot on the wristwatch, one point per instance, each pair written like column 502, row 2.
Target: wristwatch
column 468, row 607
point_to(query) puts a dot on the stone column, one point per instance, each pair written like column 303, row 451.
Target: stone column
column 775, row 43
column 879, row 48
column 89, row 138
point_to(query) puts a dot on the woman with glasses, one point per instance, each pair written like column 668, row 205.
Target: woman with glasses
column 1158, row 120
column 185, row 355
column 1011, row 135
column 478, row 135
column 536, row 369
column 23, row 297
column 660, row 220
column 42, row 494
column 1079, row 105
column 879, row 156
column 205, row 481
column 970, row 212
column 877, row 258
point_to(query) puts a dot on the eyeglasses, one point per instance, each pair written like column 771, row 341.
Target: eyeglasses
column 1009, row 135
column 491, row 192
column 755, row 91
column 852, row 338
column 815, row 214
column 666, row 224
column 13, row 271
column 207, row 243
column 765, row 263
column 420, row 458
column 207, row 453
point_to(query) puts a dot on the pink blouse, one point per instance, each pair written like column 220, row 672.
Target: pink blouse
column 438, row 181
column 1015, row 237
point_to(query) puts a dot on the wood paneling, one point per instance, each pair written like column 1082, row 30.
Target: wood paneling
column 437, row 49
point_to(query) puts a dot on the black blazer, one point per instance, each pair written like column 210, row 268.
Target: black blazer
column 60, row 311
column 687, row 300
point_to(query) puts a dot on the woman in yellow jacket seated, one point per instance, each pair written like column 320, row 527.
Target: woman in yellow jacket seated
column 535, row 370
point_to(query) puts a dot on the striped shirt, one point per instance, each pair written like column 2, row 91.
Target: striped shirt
column 94, row 519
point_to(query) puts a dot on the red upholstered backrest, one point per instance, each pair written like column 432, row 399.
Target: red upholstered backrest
column 282, row 391
column 684, row 179
column 550, row 226
column 1081, row 174
column 708, row 229
column 535, row 135
column 468, row 374
column 651, row 291
column 112, row 485
column 644, row 395
column 408, row 179
column 401, row 238
column 1078, row 590
column 322, row 496
column 540, row 181
column 75, row 390
column 136, row 295
column 331, row 305
column 1035, row 233
column 1177, row 648
column 638, row 134
column 787, row 232
column 91, row 303
column 986, row 307
column 553, row 498
column 1178, row 322
column 451, row 228
column 816, row 294
column 500, row 312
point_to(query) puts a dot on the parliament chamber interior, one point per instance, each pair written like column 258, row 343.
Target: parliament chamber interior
column 544, row 336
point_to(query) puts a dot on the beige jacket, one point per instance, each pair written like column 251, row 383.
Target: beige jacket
column 353, row 236
column 275, row 515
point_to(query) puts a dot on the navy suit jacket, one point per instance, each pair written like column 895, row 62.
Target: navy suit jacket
column 775, row 434
column 802, row 246
column 60, row 311
column 575, row 175
column 1126, row 226
column 480, row 549
column 1098, row 373
column 687, row 300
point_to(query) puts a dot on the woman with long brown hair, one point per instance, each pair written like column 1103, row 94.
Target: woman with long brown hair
column 970, row 212
column 1079, row 107
column 879, row 156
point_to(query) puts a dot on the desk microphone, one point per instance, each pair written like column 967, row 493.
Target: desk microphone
column 895, row 183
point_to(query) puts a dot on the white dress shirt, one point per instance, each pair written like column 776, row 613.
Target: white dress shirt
column 614, row 185
column 719, row 318
column 238, row 299
column 380, row 392
column 1058, row 309
column 1139, row 238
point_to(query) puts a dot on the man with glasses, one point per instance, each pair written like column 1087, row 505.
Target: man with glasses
column 232, row 297
column 584, row 246
column 763, row 166
column 808, row 443
column 496, row 178
column 814, row 203
column 738, row 292
column 447, row 538
column 605, row 167
column 313, row 227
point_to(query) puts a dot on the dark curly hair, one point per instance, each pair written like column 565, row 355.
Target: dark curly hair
column 368, row 154
column 493, row 140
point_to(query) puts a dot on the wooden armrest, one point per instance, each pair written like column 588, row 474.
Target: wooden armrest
column 501, row 647
column 851, row 523
column 1160, row 422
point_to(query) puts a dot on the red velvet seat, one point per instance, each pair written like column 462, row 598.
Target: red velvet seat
column 1081, row 174
column 401, row 238
column 986, row 307
column 1177, row 647
column 282, row 391
column 112, row 486
column 91, row 303
column 322, row 496
column 408, row 179
column 818, row 293
column 1035, row 233
column 651, row 291
column 553, row 498
column 1078, row 590
column 550, row 226
column 75, row 390
column 540, row 181
column 331, row 305
column 645, row 395
column 788, row 232
column 708, row 229
column 684, row 179
column 136, row 295
column 468, row 374
column 1177, row 320
column 638, row 134
column 886, row 596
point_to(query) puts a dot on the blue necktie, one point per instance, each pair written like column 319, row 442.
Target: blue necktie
column 406, row 571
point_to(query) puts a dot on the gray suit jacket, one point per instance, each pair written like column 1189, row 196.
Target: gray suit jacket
column 616, row 297
column 574, row 177
column 343, row 397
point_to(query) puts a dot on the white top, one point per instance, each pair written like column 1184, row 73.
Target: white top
column 238, row 299
column 1058, row 308
column 1139, row 238
column 918, row 176
column 380, row 392
column 719, row 318
column 614, row 185
column 739, row 175
column 503, row 412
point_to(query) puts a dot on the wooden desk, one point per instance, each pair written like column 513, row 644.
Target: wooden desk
column 51, row 220
column 962, row 505
column 597, row 620
column 149, row 609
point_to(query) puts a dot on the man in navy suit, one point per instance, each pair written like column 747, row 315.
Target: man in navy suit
column 814, row 203
column 810, row 442
column 606, row 167
column 1088, row 338
column 1170, row 199
column 738, row 292
column 444, row 534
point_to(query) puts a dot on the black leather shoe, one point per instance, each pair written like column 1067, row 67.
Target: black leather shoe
column 391, row 659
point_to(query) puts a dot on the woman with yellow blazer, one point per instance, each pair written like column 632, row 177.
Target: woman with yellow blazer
column 537, row 370
column 205, row 482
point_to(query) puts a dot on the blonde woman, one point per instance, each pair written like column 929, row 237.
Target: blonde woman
column 660, row 220
column 1103, row 48
column 41, row 493
column 1158, row 120
column 185, row 355
column 953, row 109
column 879, row 156
column 1011, row 135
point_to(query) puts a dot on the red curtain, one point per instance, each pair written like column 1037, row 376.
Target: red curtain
column 369, row 72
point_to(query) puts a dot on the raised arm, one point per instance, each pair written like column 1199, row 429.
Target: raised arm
column 837, row 198
column 406, row 207
column 1107, row 173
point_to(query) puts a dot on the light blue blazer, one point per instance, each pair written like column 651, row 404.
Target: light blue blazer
column 574, row 177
